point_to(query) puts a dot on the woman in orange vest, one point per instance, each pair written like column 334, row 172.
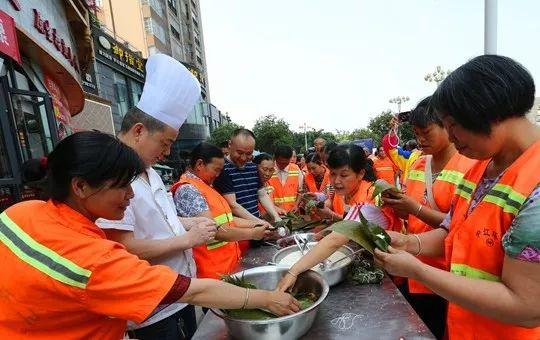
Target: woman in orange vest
column 490, row 237
column 384, row 167
column 62, row 279
column 195, row 197
column 318, row 177
column 351, row 176
column 266, row 168
column 287, row 180
column 430, row 186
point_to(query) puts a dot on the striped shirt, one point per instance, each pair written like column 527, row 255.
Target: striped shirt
column 243, row 182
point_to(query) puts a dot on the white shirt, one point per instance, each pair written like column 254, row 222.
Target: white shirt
column 282, row 175
column 151, row 215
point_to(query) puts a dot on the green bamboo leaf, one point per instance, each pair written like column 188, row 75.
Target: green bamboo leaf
column 382, row 186
column 354, row 231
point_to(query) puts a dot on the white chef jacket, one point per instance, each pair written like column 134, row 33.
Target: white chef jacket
column 151, row 215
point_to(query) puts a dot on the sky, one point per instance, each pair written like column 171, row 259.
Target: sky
column 335, row 64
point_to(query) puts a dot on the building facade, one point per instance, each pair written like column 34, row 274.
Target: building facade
column 171, row 27
column 44, row 48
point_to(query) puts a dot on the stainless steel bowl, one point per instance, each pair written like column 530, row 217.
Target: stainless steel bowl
column 285, row 327
column 289, row 240
column 333, row 276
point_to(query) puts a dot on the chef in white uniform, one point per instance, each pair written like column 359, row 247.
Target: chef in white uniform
column 151, row 228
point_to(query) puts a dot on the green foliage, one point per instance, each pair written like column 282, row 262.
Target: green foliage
column 299, row 139
column 223, row 133
column 270, row 132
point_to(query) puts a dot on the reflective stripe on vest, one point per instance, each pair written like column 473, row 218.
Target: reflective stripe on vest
column 286, row 199
column 223, row 218
column 473, row 273
column 506, row 198
column 416, row 175
column 40, row 257
column 465, row 189
column 451, row 176
column 384, row 168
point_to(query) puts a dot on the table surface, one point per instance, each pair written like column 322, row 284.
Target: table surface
column 350, row 311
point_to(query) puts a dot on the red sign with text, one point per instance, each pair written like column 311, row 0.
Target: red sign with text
column 8, row 37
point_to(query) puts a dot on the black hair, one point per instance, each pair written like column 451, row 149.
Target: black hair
column 206, row 152
column 328, row 147
column 243, row 132
column 411, row 144
column 423, row 115
column 354, row 157
column 486, row 90
column 95, row 157
column 315, row 158
column 283, row 151
column 136, row 115
column 262, row 157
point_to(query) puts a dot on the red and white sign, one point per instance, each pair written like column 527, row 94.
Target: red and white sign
column 61, row 107
column 8, row 37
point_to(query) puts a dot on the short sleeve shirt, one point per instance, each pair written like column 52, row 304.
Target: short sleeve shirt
column 152, row 215
column 90, row 286
column 189, row 200
column 243, row 182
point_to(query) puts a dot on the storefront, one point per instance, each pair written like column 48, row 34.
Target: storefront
column 119, row 74
column 44, row 45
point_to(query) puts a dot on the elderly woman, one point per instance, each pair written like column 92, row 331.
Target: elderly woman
column 62, row 279
column 491, row 236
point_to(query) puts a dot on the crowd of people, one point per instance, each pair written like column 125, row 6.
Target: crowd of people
column 109, row 249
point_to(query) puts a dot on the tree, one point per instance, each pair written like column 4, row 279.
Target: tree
column 223, row 133
column 380, row 125
column 270, row 131
column 362, row 133
column 299, row 139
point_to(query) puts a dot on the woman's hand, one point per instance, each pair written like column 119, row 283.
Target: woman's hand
column 286, row 283
column 398, row 262
column 398, row 240
column 402, row 204
column 280, row 211
column 259, row 232
column 280, row 303
column 325, row 213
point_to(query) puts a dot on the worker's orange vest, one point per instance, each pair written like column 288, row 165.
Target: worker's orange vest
column 473, row 247
column 362, row 195
column 217, row 257
column 312, row 185
column 384, row 169
column 285, row 195
column 443, row 190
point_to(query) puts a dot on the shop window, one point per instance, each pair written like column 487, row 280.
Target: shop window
column 121, row 94
column 136, row 92
column 33, row 131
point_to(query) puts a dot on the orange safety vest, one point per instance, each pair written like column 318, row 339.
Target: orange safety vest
column 443, row 190
column 384, row 169
column 473, row 247
column 62, row 279
column 285, row 194
column 363, row 195
column 216, row 257
column 312, row 185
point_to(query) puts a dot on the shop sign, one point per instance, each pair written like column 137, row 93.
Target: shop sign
column 112, row 52
column 50, row 33
column 61, row 107
column 89, row 81
column 195, row 71
column 16, row 4
column 8, row 37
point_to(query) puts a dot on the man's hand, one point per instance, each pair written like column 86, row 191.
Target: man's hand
column 202, row 232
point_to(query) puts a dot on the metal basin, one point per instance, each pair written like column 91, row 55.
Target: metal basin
column 289, row 240
column 334, row 275
column 285, row 327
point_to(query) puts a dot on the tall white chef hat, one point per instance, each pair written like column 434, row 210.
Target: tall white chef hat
column 170, row 90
